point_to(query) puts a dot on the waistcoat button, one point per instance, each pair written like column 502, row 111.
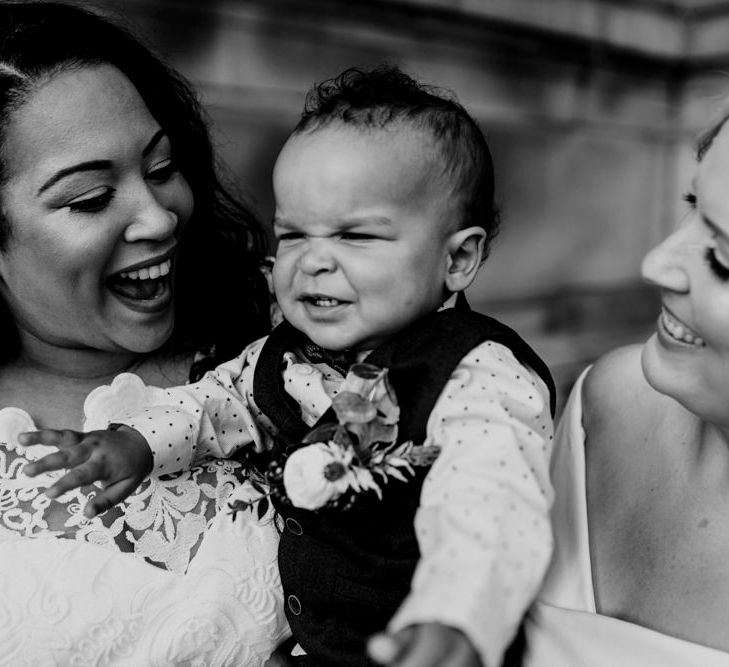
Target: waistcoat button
column 294, row 526
column 294, row 605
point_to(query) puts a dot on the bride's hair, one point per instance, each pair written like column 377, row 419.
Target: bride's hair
column 222, row 244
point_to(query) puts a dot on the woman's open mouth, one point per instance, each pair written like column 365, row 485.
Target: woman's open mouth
column 677, row 330
column 147, row 284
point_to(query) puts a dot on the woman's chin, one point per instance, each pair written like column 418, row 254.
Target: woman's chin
column 675, row 377
column 141, row 322
column 143, row 334
column 656, row 369
column 648, row 350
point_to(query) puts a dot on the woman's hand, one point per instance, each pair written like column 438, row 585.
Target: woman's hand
column 119, row 458
column 424, row 645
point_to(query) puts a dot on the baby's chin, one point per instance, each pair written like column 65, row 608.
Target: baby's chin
column 337, row 341
column 338, row 344
column 335, row 332
column 329, row 337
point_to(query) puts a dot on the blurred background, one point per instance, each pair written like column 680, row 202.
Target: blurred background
column 591, row 108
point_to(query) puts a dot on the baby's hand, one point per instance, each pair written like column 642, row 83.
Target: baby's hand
column 120, row 459
column 424, row 645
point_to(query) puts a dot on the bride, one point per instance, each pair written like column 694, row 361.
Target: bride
column 119, row 250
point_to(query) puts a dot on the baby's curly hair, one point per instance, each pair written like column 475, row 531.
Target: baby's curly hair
column 384, row 96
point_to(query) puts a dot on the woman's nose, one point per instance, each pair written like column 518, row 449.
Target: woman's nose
column 317, row 257
column 152, row 220
column 665, row 265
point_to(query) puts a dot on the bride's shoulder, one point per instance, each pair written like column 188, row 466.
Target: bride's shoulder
column 619, row 407
column 616, row 387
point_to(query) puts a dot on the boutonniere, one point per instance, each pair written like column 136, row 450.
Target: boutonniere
column 357, row 454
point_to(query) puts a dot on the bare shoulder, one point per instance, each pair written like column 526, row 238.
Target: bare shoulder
column 619, row 406
column 615, row 385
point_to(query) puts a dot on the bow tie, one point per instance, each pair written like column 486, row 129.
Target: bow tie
column 339, row 361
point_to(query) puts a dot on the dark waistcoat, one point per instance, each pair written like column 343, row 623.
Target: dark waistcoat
column 345, row 573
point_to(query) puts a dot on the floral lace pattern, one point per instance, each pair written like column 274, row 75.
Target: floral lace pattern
column 91, row 598
column 163, row 522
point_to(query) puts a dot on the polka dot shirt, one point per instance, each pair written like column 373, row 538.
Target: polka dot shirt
column 483, row 521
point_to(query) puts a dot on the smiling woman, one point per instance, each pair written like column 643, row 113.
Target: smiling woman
column 641, row 465
column 95, row 205
column 219, row 245
column 119, row 249
column 688, row 357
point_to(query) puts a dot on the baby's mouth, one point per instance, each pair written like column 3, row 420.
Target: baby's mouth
column 322, row 301
column 145, row 284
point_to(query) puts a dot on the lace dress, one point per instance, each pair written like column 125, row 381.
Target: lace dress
column 167, row 578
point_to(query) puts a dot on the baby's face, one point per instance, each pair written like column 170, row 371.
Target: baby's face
column 362, row 223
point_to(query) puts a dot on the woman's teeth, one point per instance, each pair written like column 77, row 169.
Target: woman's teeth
column 142, row 284
column 149, row 272
column 680, row 331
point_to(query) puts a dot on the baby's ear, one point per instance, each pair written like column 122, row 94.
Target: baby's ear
column 465, row 249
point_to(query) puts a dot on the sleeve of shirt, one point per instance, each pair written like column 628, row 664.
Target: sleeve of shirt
column 213, row 417
column 483, row 523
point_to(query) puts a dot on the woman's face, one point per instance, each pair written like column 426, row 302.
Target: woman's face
column 688, row 357
column 94, row 204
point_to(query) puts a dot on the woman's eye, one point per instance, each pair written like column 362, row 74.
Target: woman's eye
column 162, row 171
column 721, row 271
column 92, row 204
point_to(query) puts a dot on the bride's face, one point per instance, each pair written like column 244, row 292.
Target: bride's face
column 688, row 356
column 94, row 204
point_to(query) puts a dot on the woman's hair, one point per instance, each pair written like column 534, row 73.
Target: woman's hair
column 384, row 97
column 217, row 267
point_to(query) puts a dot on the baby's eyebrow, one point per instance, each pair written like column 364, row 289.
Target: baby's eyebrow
column 366, row 220
column 346, row 223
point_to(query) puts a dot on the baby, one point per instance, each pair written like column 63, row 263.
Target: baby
column 412, row 489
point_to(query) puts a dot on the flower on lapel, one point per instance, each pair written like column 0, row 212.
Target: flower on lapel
column 316, row 474
column 359, row 453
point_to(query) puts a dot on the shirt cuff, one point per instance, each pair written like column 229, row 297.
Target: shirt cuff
column 487, row 607
column 169, row 434
column 488, row 641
